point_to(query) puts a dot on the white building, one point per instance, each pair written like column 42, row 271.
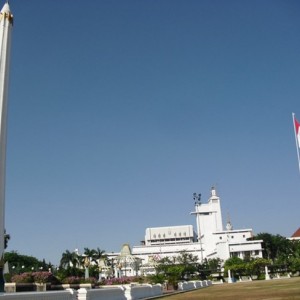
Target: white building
column 210, row 241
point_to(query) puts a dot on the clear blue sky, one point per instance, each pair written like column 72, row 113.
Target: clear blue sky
column 120, row 110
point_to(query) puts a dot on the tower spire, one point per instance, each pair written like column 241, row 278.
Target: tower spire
column 228, row 223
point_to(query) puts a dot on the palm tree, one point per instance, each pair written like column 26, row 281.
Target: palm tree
column 99, row 254
column 101, row 260
column 91, row 256
column 88, row 255
column 69, row 260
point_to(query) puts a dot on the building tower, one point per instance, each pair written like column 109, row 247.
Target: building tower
column 6, row 21
column 209, row 221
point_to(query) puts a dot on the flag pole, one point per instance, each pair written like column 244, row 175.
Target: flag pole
column 297, row 146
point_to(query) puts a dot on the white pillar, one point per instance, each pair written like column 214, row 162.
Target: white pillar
column 6, row 20
column 229, row 277
column 267, row 273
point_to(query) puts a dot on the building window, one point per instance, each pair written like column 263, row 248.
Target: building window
column 244, row 236
column 232, row 236
column 220, row 237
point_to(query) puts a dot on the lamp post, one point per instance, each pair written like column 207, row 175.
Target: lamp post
column 197, row 200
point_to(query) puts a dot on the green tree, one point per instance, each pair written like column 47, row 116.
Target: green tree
column 176, row 268
column 100, row 254
column 69, row 265
column 69, row 259
column 209, row 267
column 188, row 262
column 256, row 266
column 88, row 254
column 294, row 264
column 95, row 256
column 295, row 248
column 214, row 264
column 275, row 247
column 171, row 272
column 236, row 265
column 163, row 265
column 19, row 263
column 293, row 261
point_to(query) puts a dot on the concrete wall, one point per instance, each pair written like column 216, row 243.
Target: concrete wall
column 125, row 292
column 56, row 295
column 113, row 293
column 143, row 291
column 190, row 285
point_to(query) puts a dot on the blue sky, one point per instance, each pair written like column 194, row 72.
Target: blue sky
column 120, row 110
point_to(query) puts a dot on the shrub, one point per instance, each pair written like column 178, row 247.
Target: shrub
column 115, row 281
column 157, row 278
column 7, row 277
column 42, row 277
column 72, row 280
column 261, row 277
column 91, row 280
column 23, row 278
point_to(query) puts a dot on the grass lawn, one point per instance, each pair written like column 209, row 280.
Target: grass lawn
column 265, row 289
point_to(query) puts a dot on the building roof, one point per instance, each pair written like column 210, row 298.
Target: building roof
column 296, row 233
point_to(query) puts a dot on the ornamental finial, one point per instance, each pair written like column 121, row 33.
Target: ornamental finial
column 6, row 13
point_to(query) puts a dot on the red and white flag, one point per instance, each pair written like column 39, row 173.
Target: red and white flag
column 297, row 131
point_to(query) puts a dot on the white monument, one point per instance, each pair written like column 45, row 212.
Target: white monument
column 6, row 21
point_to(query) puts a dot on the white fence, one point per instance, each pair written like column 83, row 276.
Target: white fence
column 68, row 294
column 125, row 292
column 190, row 285
column 113, row 293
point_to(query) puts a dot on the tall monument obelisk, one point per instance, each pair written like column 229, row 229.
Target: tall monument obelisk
column 6, row 21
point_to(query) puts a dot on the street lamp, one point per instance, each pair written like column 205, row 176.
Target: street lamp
column 197, row 199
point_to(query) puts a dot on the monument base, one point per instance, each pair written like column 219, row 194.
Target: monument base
column 2, row 281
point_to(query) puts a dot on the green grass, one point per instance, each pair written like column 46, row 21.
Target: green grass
column 265, row 289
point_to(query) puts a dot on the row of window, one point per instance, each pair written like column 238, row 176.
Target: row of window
column 171, row 240
column 164, row 235
column 244, row 253
column 231, row 237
